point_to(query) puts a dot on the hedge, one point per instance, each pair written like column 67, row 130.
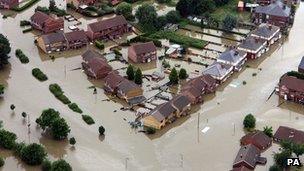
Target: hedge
column 88, row 119
column 23, row 58
column 75, row 108
column 59, row 94
column 141, row 38
column 37, row 73
column 25, row 23
column 179, row 39
column 25, row 6
column 296, row 74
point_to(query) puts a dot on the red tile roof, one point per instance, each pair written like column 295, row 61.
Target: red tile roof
column 142, row 48
column 289, row 134
column 292, row 83
column 108, row 23
column 258, row 139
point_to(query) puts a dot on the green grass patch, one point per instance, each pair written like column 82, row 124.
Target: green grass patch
column 74, row 107
column 21, row 56
column 88, row 119
column 37, row 73
column 179, row 39
column 59, row 94
column 25, row 5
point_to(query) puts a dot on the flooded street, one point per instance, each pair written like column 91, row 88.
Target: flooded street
column 179, row 146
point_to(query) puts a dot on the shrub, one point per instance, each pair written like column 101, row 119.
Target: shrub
column 1, row 161
column 72, row 141
column 88, row 119
column 58, row 93
column 138, row 77
column 183, row 74
column 38, row 74
column 60, row 129
column 61, row 165
column 25, row 23
column 268, row 131
column 150, row 130
column 12, row 107
column 130, row 72
column 1, row 89
column 27, row 30
column 249, row 122
column 156, row 42
column 101, row 130
column 7, row 139
column 33, row 154
column 46, row 165
column 23, row 58
column 75, row 108
column 99, row 45
column 64, row 99
column 173, row 77
column 47, row 117
column 25, row 6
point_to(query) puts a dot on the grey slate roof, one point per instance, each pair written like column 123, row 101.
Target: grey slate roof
column 252, row 43
column 232, row 55
column 53, row 38
column 265, row 30
column 275, row 9
column 217, row 69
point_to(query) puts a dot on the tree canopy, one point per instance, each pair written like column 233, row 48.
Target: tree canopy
column 173, row 17
column 125, row 9
column 5, row 49
column 130, row 72
column 249, row 122
column 229, row 22
column 33, row 154
column 61, row 165
column 138, row 77
column 183, row 74
column 7, row 139
column 173, row 77
column 195, row 7
column 147, row 17
column 60, row 129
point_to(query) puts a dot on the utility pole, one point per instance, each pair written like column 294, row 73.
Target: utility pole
column 28, row 128
column 65, row 71
column 198, row 121
column 182, row 160
column 126, row 163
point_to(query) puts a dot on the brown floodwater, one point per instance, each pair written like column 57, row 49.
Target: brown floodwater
column 179, row 146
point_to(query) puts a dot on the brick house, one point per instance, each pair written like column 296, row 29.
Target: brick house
column 276, row 13
column 142, row 52
column 46, row 23
column 291, row 88
column 195, row 88
column 112, row 81
column 95, row 65
column 76, row 39
column 268, row 32
column 285, row 133
column 52, row 42
column 8, row 4
column 182, row 104
column 219, row 71
column 253, row 46
column 233, row 57
column 109, row 28
column 258, row 139
column 248, row 157
column 59, row 41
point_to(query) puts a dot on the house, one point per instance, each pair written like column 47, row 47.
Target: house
column 268, row 32
column 219, row 71
column 285, row 133
column 46, row 23
column 112, row 81
column 301, row 66
column 160, row 116
column 52, row 42
column 258, row 139
column 276, row 13
column 95, row 65
column 142, row 52
column 182, row 104
column 291, row 88
column 78, row 3
column 248, row 157
column 130, row 92
column 195, row 88
column 109, row 28
column 8, row 4
column 233, row 57
column 254, row 47
column 76, row 39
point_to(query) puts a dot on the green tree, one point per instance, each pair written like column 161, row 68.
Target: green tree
column 130, row 72
column 196, row 7
column 61, row 165
column 268, row 131
column 23, row 114
column 281, row 158
column 298, row 149
column 1, row 162
column 147, row 17
column 47, row 117
column 101, row 130
column 275, row 168
column 125, row 9
column 46, row 165
column 183, row 74
column 286, row 145
column 5, row 49
column 72, row 141
column 2, row 89
column 52, row 6
column 60, row 129
column 138, row 77
column 249, row 122
column 229, row 22
column 7, row 139
column 161, row 22
column 33, row 154
column 173, row 17
column 173, row 77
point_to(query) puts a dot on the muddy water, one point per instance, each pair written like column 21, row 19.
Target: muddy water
column 174, row 148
